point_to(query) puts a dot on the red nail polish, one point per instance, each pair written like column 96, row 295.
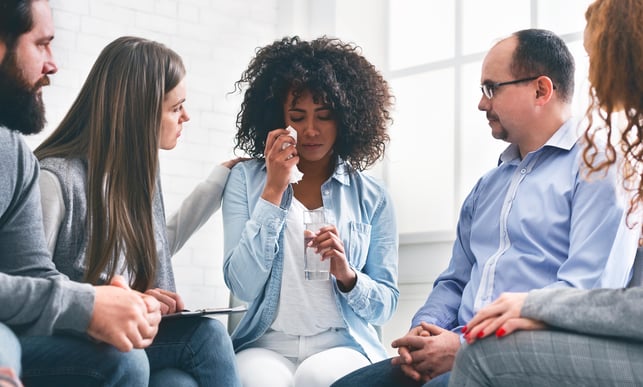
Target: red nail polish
column 480, row 334
column 464, row 329
column 500, row 332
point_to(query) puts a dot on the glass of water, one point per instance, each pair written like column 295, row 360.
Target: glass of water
column 314, row 267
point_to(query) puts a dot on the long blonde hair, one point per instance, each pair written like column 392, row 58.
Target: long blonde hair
column 114, row 124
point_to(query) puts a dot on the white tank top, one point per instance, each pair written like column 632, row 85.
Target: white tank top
column 306, row 308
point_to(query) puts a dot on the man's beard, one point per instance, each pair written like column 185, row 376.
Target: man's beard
column 21, row 106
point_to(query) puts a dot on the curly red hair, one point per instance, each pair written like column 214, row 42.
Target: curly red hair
column 614, row 42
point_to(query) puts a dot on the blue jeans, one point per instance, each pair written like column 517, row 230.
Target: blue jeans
column 385, row 374
column 76, row 361
column 9, row 349
column 171, row 377
column 197, row 346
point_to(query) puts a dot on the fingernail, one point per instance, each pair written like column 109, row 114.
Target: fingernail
column 464, row 329
column 500, row 332
column 480, row 334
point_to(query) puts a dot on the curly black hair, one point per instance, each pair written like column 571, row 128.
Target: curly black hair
column 333, row 72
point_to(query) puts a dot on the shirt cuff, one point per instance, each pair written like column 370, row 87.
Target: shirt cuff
column 357, row 297
column 78, row 314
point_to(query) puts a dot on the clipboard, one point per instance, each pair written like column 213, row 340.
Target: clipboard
column 205, row 312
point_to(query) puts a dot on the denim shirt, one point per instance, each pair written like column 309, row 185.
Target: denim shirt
column 362, row 211
column 533, row 223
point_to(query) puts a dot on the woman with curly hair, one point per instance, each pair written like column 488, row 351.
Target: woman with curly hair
column 578, row 337
column 300, row 332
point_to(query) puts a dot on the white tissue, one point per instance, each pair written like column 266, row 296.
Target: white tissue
column 295, row 173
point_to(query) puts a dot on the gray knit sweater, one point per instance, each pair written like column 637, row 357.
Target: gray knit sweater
column 71, row 243
column 37, row 306
column 605, row 312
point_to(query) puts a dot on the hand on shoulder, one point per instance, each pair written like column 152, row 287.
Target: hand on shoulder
column 232, row 162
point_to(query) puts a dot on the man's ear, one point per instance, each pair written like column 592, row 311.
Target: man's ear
column 544, row 89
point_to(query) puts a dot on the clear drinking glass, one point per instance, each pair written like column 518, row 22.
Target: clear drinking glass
column 314, row 267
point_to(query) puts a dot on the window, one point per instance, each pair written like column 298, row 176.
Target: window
column 431, row 53
column 441, row 142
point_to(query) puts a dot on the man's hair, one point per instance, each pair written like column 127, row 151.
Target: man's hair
column 16, row 19
column 541, row 52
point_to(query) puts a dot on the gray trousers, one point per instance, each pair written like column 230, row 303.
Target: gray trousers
column 549, row 358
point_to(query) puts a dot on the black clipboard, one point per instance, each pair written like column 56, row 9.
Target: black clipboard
column 205, row 312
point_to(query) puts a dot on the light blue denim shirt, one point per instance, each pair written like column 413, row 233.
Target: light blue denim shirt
column 533, row 223
column 362, row 211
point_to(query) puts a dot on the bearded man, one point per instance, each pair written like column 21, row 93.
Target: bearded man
column 46, row 320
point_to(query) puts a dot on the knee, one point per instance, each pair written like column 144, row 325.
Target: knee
column 10, row 352
column 262, row 367
column 212, row 333
column 466, row 363
column 383, row 371
column 309, row 375
column 326, row 367
column 211, row 344
column 172, row 377
column 467, row 354
column 127, row 368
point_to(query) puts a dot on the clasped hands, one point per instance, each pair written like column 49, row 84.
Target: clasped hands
column 426, row 351
column 126, row 318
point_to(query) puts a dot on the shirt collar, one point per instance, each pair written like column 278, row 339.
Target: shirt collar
column 564, row 138
column 341, row 172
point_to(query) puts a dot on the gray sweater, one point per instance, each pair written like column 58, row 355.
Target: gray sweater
column 605, row 312
column 71, row 243
column 50, row 302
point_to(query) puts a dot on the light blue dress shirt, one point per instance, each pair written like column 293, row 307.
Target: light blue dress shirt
column 362, row 211
column 533, row 223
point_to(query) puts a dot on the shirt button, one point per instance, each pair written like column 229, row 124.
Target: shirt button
column 326, row 193
column 523, row 171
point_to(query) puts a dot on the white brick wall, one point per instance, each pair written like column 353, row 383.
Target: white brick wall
column 216, row 39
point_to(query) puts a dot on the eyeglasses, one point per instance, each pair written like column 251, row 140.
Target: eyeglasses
column 489, row 88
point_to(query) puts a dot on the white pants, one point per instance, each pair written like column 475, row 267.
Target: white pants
column 280, row 360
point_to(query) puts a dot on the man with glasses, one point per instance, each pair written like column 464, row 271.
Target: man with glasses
column 534, row 221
